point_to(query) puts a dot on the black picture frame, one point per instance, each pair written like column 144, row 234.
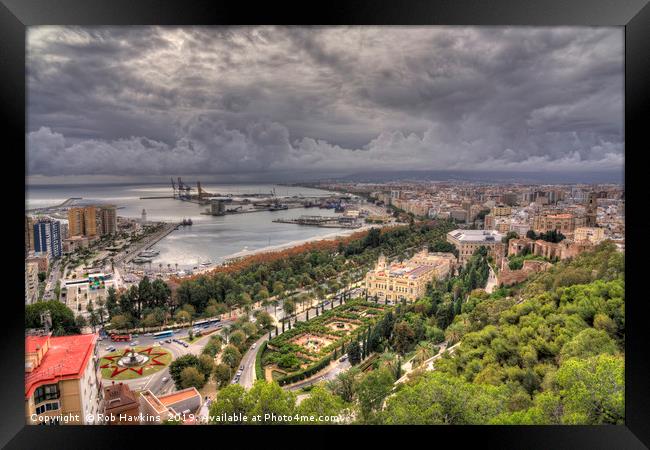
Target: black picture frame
column 634, row 15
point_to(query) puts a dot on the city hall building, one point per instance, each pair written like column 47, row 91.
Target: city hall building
column 407, row 280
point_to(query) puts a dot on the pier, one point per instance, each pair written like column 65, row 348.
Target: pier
column 322, row 221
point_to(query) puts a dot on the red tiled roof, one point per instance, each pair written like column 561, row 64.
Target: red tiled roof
column 66, row 358
column 33, row 343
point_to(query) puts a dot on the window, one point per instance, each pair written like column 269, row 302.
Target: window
column 47, row 392
column 47, row 407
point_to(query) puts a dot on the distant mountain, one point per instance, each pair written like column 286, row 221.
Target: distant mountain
column 485, row 176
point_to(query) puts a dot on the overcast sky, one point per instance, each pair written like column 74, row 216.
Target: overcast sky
column 247, row 103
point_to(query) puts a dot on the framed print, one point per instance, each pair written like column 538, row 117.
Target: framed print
column 375, row 217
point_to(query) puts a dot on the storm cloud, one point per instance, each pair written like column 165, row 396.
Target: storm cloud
column 258, row 100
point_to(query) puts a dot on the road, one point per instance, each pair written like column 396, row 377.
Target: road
column 248, row 376
column 491, row 281
column 50, row 284
column 155, row 382
column 428, row 364
column 330, row 374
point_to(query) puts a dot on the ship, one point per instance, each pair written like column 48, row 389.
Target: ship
column 278, row 207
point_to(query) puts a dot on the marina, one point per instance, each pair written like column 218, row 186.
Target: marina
column 210, row 237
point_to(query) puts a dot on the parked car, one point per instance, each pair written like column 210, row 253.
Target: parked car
column 254, row 345
column 164, row 380
column 169, row 341
column 185, row 344
column 343, row 358
column 241, row 367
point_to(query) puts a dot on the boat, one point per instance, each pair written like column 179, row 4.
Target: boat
column 206, row 263
column 141, row 260
column 278, row 207
column 149, row 253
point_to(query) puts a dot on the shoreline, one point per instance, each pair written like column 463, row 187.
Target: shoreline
column 288, row 245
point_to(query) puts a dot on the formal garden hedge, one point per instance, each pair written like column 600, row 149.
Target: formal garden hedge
column 291, row 357
column 259, row 369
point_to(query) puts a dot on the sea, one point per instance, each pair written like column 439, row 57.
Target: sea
column 210, row 239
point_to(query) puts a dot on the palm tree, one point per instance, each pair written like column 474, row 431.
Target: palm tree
column 423, row 351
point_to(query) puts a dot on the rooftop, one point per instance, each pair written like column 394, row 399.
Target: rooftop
column 170, row 400
column 118, row 396
column 476, row 235
column 66, row 359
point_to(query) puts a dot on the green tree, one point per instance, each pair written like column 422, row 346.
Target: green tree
column 354, row 353
column 593, row 390
column 192, row 377
column 372, row 390
column 437, row 398
column 238, row 339
column 589, row 342
column 230, row 406
column 231, row 356
column 269, row 398
column 63, row 319
column 321, row 402
column 222, row 374
column 206, row 365
column 179, row 364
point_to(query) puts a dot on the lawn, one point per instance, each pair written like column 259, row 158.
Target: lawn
column 158, row 358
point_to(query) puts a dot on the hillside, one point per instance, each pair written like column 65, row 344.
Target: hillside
column 552, row 354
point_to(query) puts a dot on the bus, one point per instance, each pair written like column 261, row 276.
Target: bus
column 206, row 323
column 163, row 334
column 120, row 337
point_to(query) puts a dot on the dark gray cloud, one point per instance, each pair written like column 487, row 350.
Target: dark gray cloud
column 207, row 100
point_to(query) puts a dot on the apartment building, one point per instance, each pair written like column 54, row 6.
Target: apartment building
column 61, row 385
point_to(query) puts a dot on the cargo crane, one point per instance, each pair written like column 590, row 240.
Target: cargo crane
column 183, row 190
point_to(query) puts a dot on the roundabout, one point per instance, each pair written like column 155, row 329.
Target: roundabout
column 136, row 362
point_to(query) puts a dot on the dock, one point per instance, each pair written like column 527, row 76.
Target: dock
column 322, row 221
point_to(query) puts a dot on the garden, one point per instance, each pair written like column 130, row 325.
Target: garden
column 136, row 362
column 309, row 346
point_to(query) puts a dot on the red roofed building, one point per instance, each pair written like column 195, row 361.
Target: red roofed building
column 61, row 383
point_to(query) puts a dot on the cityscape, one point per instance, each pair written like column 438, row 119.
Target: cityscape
column 381, row 255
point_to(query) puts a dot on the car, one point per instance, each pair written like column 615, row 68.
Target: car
column 110, row 349
column 254, row 345
column 343, row 358
column 241, row 367
column 164, row 380
column 185, row 344
column 136, row 335
column 169, row 341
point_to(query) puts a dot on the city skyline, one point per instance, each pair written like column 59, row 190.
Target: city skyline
column 295, row 103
